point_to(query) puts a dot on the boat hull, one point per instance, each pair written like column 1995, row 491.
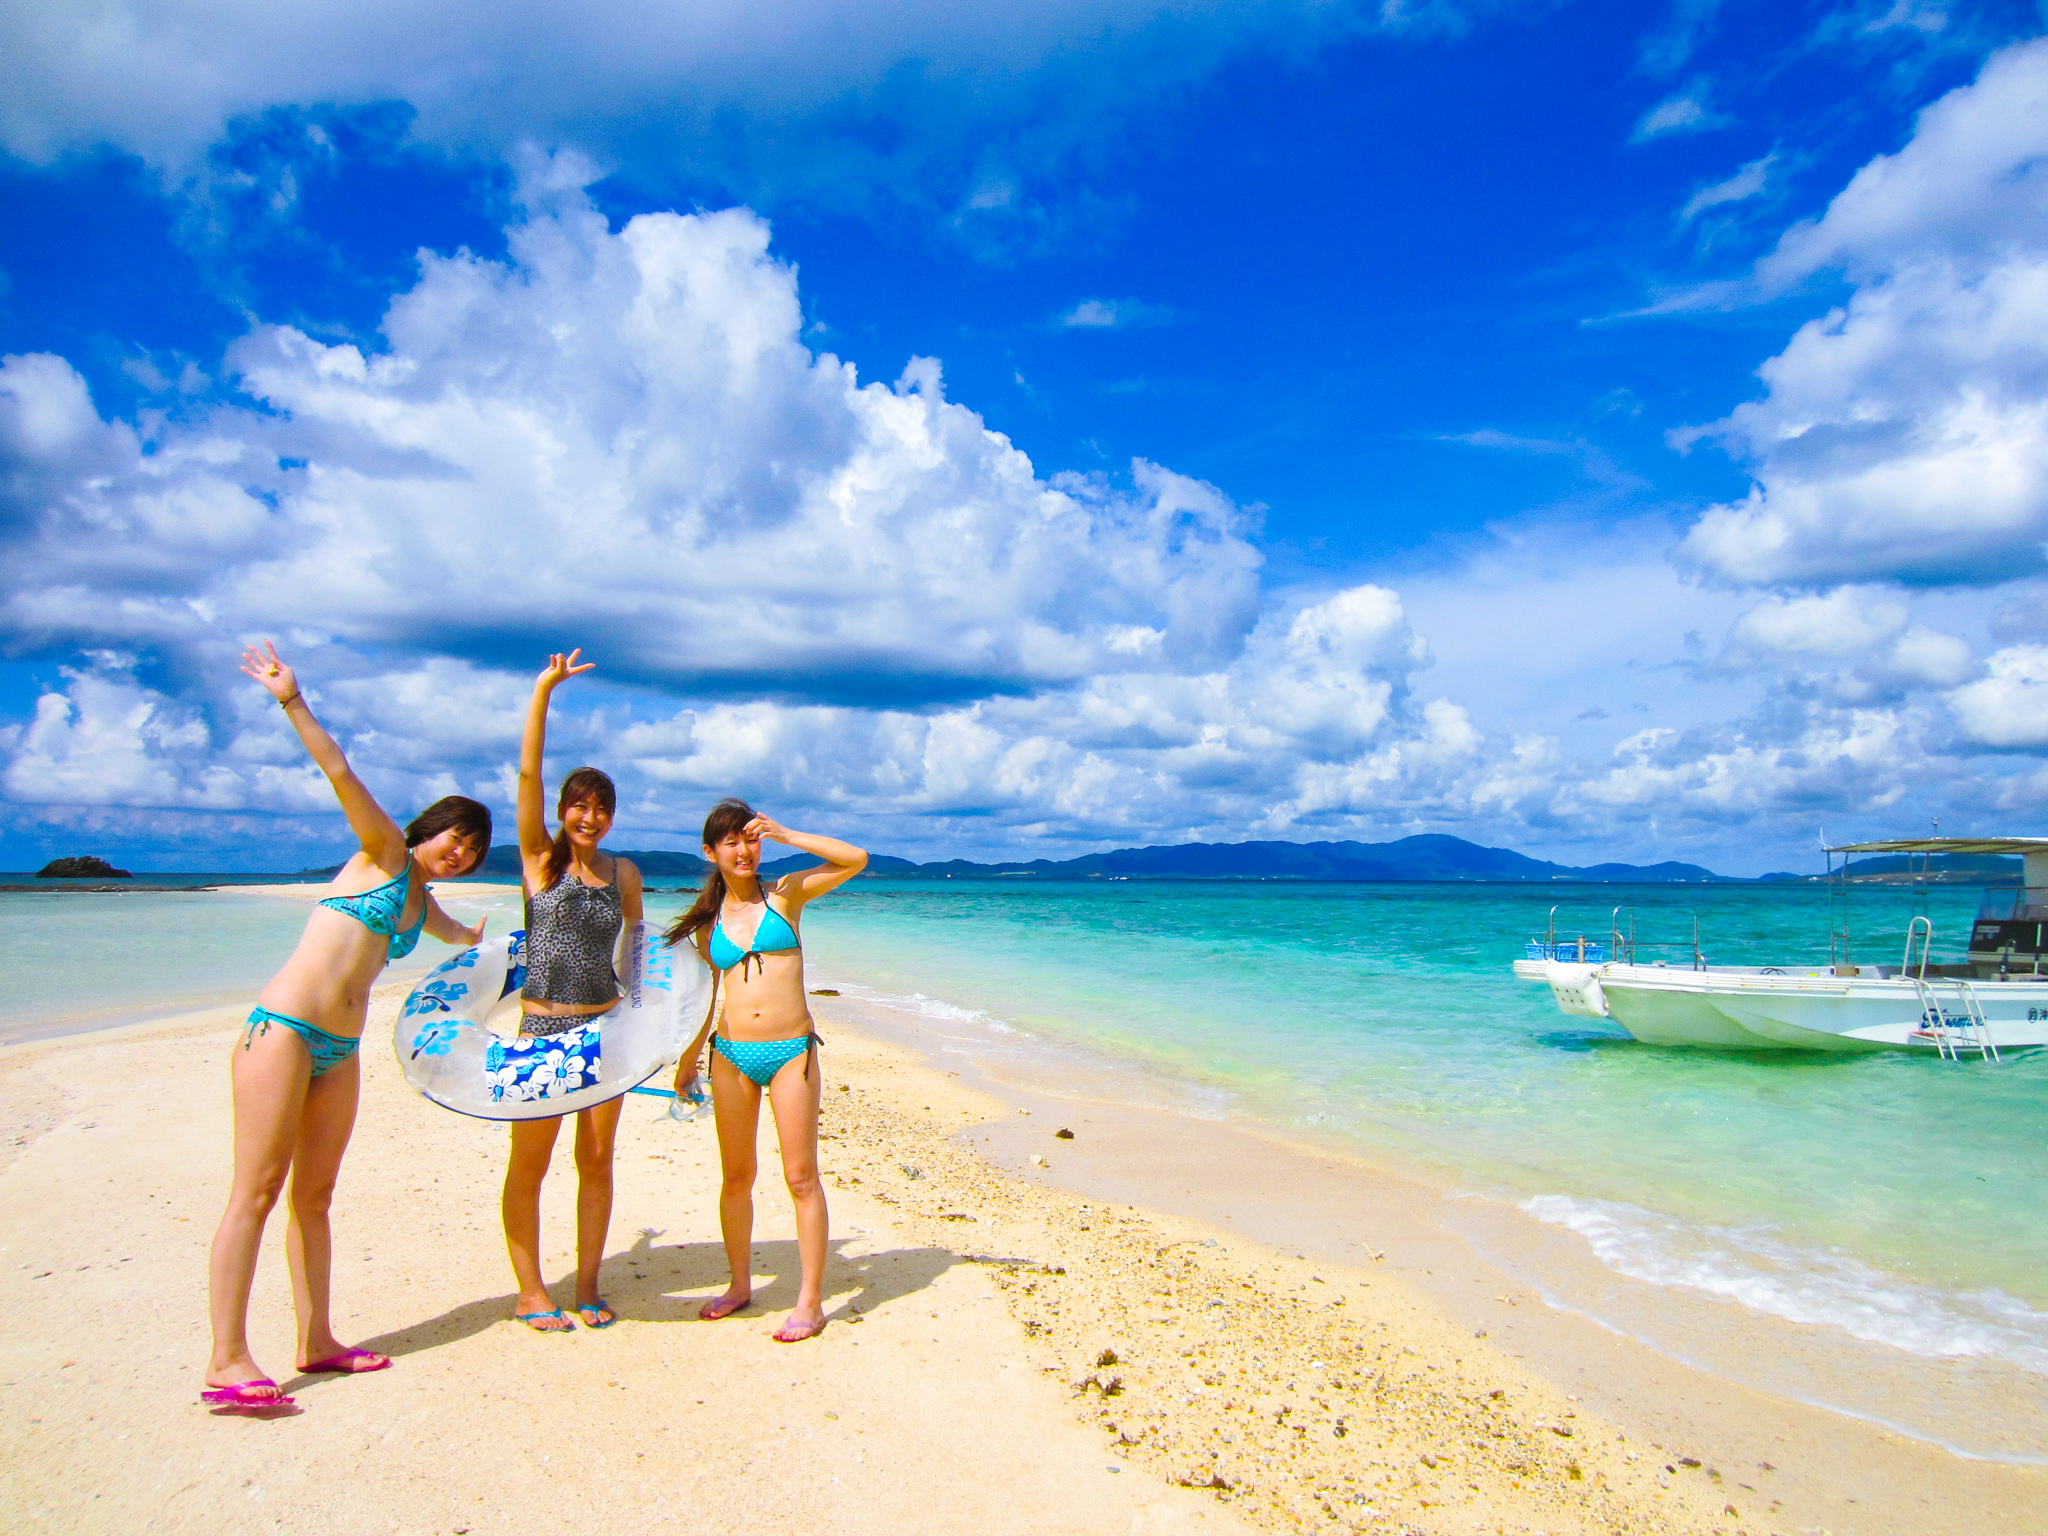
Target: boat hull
column 1731, row 1008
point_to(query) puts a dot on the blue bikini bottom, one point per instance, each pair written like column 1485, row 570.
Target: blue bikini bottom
column 762, row 1059
column 329, row 1051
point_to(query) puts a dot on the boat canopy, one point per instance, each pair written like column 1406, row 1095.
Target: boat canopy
column 2002, row 845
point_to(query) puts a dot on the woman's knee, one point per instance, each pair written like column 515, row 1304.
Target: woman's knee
column 739, row 1179
column 594, row 1164
column 525, row 1175
column 312, row 1197
column 803, row 1182
column 257, row 1193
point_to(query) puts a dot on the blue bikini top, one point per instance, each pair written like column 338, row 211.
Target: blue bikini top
column 771, row 936
column 380, row 909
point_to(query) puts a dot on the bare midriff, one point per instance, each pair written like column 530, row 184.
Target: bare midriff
column 327, row 980
column 764, row 998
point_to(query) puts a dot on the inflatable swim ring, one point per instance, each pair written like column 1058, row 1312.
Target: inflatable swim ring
column 454, row 1037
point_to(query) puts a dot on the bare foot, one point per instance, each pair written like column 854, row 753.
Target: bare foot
column 726, row 1305
column 345, row 1361
column 803, row 1323
column 237, row 1370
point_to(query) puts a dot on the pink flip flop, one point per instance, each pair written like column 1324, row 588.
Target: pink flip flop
column 718, row 1307
column 346, row 1363
column 791, row 1335
column 245, row 1397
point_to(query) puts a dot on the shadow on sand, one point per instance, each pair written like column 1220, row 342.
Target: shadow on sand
column 647, row 1283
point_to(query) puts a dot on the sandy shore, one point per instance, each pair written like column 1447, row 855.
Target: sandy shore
column 1005, row 1354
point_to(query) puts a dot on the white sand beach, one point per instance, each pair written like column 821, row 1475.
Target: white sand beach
column 1004, row 1354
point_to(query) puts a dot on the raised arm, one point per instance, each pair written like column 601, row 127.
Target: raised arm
column 382, row 839
column 842, row 860
column 449, row 931
column 532, row 802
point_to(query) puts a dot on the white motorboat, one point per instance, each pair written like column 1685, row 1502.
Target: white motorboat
column 1996, row 998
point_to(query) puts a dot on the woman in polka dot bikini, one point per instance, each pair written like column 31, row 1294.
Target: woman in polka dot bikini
column 747, row 932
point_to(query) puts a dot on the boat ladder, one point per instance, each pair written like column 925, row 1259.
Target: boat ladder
column 1953, row 1030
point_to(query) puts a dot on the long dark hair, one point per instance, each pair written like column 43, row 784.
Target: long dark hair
column 726, row 818
column 465, row 815
column 583, row 784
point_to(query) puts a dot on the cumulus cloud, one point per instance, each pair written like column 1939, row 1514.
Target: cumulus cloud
column 2008, row 707
column 620, row 435
column 800, row 585
column 1854, row 645
column 1859, row 760
column 1313, row 719
column 1901, row 436
column 1312, row 723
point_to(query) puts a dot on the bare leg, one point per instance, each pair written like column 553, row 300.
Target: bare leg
column 533, row 1147
column 596, row 1132
column 325, row 1124
column 793, row 1096
column 736, row 1106
column 270, row 1072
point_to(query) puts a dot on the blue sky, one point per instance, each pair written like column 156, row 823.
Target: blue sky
column 1605, row 430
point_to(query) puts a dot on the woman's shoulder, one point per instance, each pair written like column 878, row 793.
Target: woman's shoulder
column 359, row 873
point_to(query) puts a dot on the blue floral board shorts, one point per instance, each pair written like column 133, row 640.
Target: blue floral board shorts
column 536, row 1067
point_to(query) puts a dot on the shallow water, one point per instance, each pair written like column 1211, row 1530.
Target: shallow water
column 1903, row 1198
column 72, row 953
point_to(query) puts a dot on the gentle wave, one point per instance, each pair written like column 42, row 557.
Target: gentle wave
column 928, row 1007
column 1801, row 1285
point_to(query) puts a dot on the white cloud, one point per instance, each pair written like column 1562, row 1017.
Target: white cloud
column 108, row 740
column 617, row 439
column 2009, row 706
column 1311, row 724
column 1687, row 112
column 1839, row 623
column 1854, row 645
column 1972, row 182
column 1861, row 760
column 1751, row 181
column 977, row 114
column 1905, row 434
column 1113, row 314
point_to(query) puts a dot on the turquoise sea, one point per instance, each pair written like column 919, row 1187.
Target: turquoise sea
column 1902, row 1198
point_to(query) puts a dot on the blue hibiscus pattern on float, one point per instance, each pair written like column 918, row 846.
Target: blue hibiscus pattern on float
column 531, row 1069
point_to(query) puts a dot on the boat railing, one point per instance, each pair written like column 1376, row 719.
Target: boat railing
column 1575, row 951
column 1923, row 930
column 1621, row 944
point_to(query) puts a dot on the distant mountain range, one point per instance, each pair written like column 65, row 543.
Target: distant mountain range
column 1430, row 857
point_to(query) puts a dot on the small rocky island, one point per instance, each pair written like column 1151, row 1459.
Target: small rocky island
column 85, row 867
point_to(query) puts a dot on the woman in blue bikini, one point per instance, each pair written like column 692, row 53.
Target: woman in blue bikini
column 295, row 1070
column 577, row 901
column 748, row 934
